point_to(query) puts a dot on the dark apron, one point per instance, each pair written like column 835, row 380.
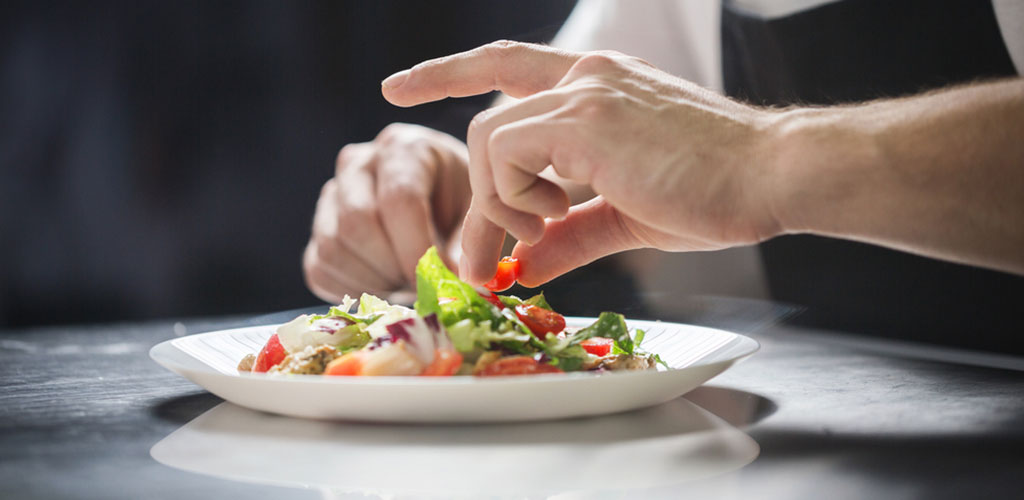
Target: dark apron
column 854, row 51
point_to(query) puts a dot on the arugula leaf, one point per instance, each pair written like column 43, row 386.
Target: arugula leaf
column 510, row 300
column 610, row 325
column 539, row 301
column 570, row 359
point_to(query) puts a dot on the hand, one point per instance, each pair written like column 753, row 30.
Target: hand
column 388, row 201
column 675, row 166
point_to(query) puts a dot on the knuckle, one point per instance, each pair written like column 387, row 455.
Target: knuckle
column 598, row 62
column 594, row 105
column 400, row 135
column 477, row 125
column 493, row 205
column 345, row 155
column 351, row 156
column 390, row 134
column 502, row 48
column 328, row 188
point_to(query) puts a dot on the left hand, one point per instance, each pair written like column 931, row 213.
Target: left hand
column 675, row 166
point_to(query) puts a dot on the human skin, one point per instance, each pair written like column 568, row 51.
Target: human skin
column 679, row 168
column 389, row 200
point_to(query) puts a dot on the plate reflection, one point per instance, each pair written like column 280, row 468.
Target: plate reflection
column 669, row 444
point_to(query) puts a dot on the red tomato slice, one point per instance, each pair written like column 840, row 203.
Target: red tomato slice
column 517, row 365
column 598, row 346
column 505, row 277
column 445, row 364
column 493, row 299
column 271, row 354
column 540, row 321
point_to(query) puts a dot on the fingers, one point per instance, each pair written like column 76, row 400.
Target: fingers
column 331, row 269
column 323, row 280
column 517, row 153
column 481, row 247
column 517, row 69
column 405, row 209
column 524, row 221
column 357, row 218
column 590, row 231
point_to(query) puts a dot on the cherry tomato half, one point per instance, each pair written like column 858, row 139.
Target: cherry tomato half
column 598, row 346
column 508, row 272
column 540, row 321
column 517, row 365
column 493, row 299
column 271, row 354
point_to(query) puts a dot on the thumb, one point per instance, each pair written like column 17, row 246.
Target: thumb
column 590, row 231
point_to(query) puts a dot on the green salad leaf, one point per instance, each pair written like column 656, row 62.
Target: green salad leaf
column 469, row 336
column 434, row 281
column 537, row 300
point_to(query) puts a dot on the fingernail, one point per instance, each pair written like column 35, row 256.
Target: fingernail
column 396, row 80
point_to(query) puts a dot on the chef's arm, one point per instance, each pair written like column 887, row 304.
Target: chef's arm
column 939, row 174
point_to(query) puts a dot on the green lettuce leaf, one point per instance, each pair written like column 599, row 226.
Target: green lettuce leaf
column 435, row 281
column 537, row 300
column 469, row 336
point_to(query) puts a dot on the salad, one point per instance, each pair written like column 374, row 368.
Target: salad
column 453, row 329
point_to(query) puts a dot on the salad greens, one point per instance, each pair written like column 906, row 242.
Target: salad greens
column 475, row 324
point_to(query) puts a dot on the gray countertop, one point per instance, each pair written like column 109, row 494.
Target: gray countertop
column 834, row 416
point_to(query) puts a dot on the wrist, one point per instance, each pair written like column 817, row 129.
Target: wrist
column 821, row 164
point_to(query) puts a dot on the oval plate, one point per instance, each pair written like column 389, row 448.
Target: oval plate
column 695, row 353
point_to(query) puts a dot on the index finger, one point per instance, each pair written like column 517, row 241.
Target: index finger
column 515, row 68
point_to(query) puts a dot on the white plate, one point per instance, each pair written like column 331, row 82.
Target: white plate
column 696, row 354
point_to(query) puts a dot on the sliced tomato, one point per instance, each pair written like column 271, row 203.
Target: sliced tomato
column 493, row 299
column 350, row 364
column 598, row 346
column 505, row 277
column 517, row 365
column 540, row 321
column 446, row 363
column 271, row 354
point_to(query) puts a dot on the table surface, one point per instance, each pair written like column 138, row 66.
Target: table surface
column 834, row 416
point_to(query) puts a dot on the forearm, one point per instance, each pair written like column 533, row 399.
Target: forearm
column 940, row 174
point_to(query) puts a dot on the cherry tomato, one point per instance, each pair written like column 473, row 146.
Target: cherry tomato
column 508, row 272
column 540, row 321
column 493, row 299
column 598, row 346
column 350, row 364
column 271, row 354
column 445, row 364
column 517, row 365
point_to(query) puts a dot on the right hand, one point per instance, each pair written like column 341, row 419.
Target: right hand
column 389, row 200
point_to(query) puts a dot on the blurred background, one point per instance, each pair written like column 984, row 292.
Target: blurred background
column 162, row 159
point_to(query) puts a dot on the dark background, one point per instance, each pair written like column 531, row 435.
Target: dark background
column 163, row 158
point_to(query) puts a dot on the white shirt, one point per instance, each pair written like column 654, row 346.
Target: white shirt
column 683, row 37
